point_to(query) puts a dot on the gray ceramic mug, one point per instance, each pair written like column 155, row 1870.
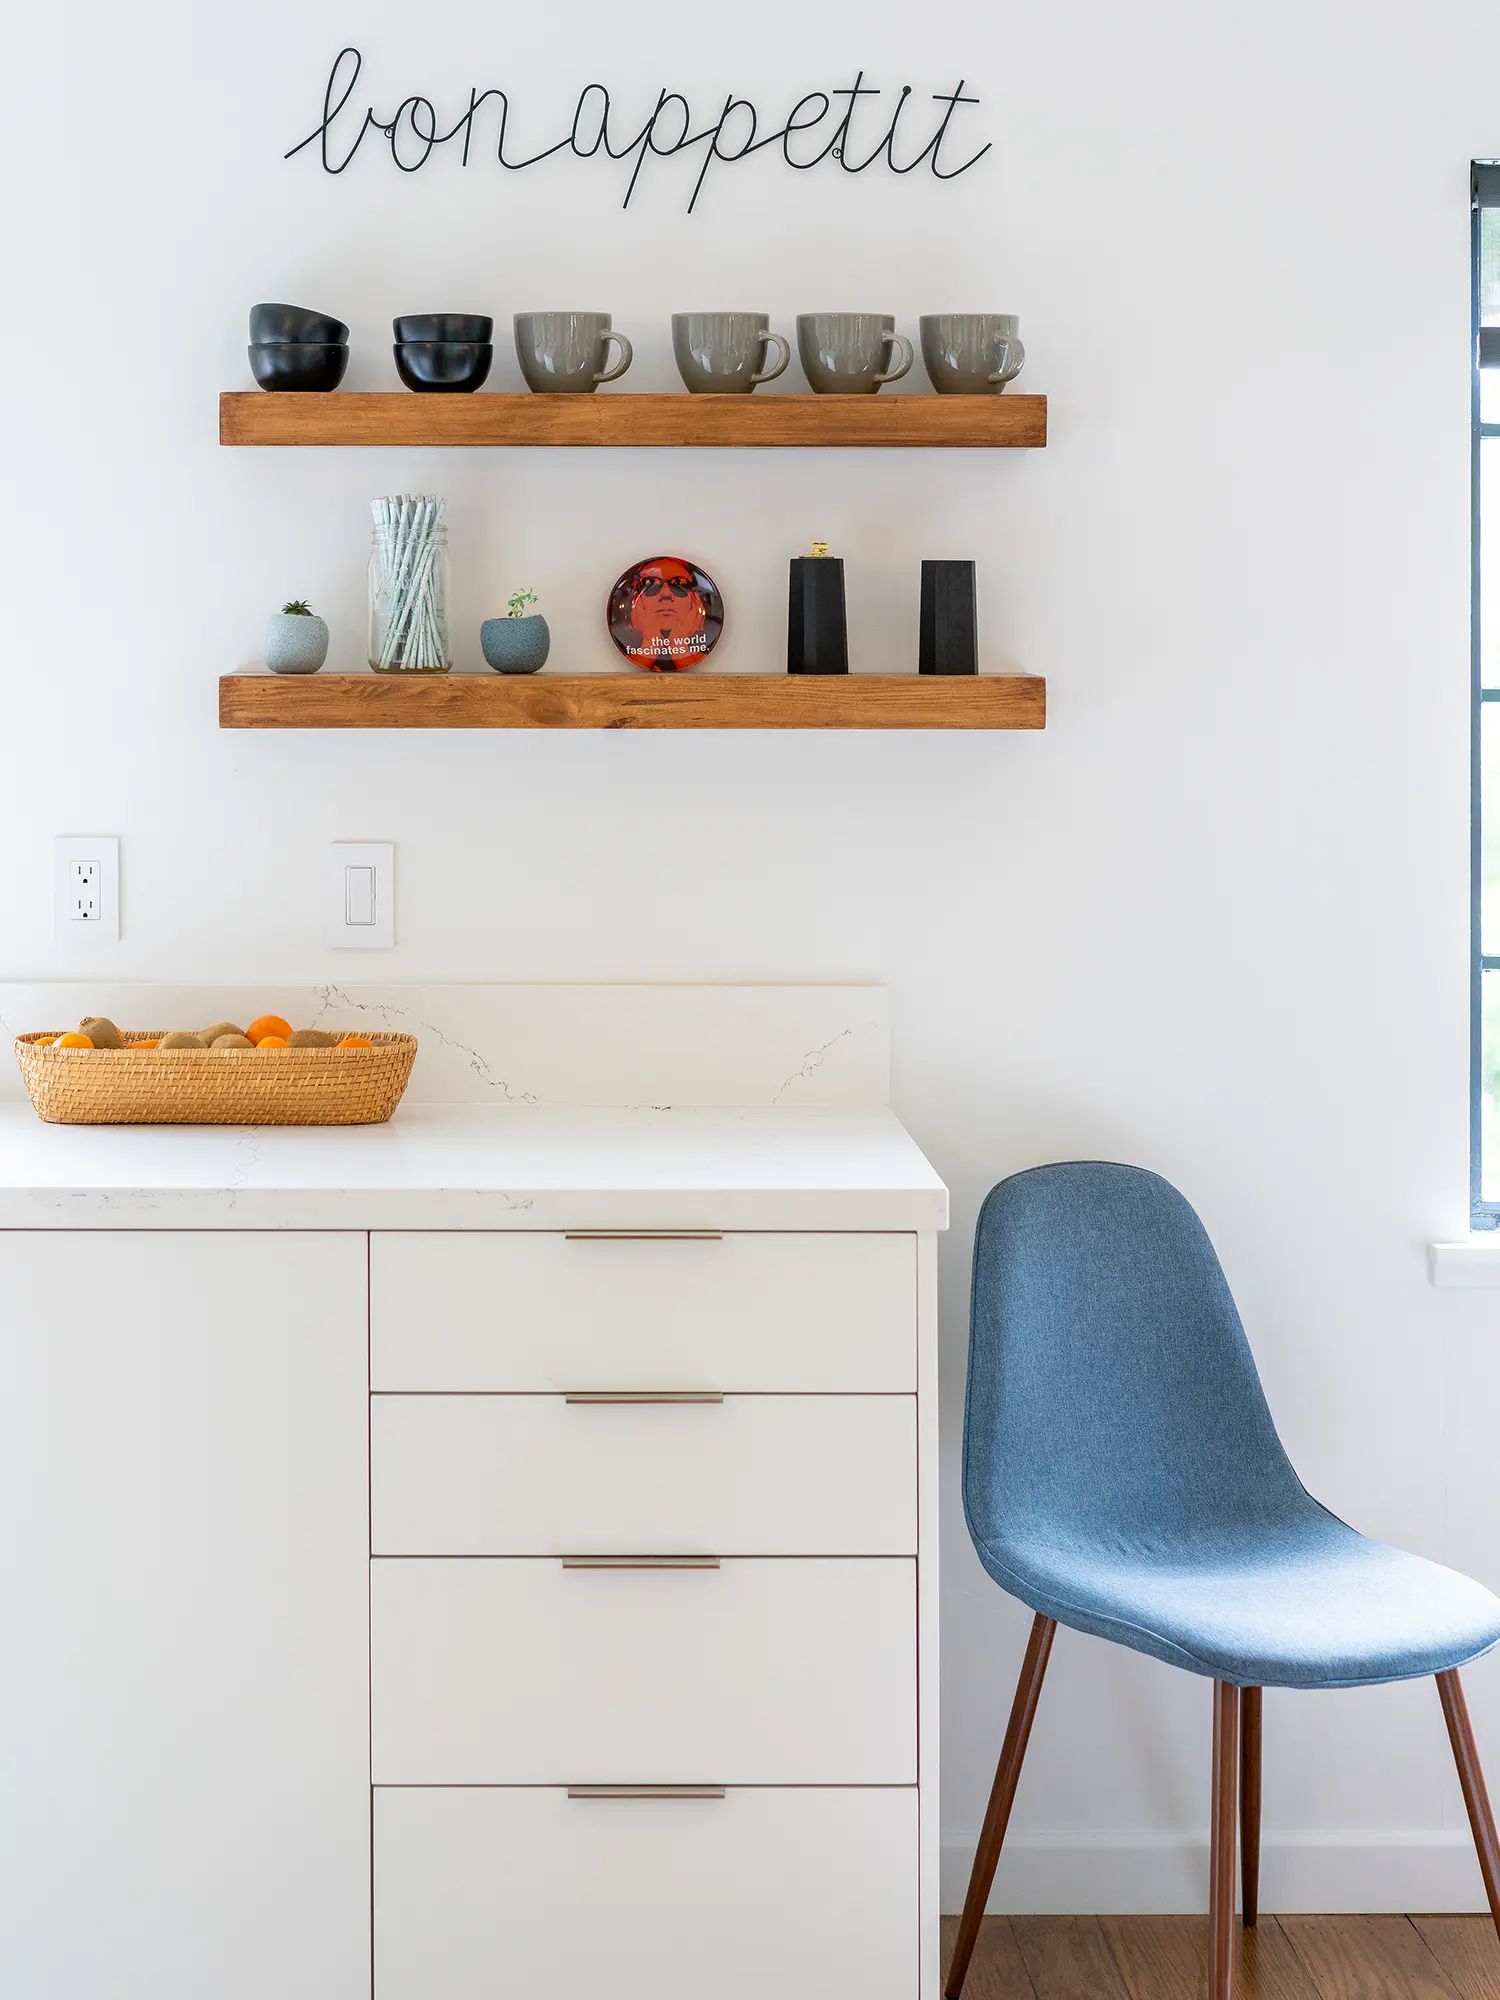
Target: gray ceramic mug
column 971, row 354
column 849, row 354
column 724, row 354
column 564, row 354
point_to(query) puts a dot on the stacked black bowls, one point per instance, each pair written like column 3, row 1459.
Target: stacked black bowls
column 444, row 353
column 294, row 348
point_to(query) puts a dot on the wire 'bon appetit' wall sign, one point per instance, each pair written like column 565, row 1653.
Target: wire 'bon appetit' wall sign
column 861, row 135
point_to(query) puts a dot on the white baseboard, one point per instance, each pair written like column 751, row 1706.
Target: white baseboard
column 1150, row 1874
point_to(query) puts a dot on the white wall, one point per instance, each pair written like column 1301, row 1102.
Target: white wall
column 1212, row 921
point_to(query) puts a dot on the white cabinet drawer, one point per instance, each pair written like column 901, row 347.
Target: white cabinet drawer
column 763, row 1895
column 747, row 1476
column 534, row 1312
column 799, row 1672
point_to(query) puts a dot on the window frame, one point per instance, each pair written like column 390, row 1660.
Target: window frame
column 1484, row 192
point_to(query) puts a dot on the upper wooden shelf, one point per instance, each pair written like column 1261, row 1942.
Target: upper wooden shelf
column 632, row 701
column 942, row 422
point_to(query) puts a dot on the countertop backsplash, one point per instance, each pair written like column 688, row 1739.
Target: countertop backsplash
column 652, row 1046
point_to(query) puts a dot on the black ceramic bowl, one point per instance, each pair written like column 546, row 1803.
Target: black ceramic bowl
column 295, row 323
column 451, row 366
column 298, row 364
column 424, row 327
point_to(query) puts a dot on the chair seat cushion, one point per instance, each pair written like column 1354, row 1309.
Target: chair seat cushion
column 1305, row 1603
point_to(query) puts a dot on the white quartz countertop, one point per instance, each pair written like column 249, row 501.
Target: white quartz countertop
column 459, row 1166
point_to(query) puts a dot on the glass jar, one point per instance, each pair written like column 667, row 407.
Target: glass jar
column 409, row 587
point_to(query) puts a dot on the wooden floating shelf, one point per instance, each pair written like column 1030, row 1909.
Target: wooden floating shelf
column 631, row 422
column 633, row 701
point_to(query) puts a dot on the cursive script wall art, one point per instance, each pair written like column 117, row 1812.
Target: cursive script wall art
column 860, row 135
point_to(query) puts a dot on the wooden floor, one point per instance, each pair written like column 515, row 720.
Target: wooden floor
column 1285, row 1958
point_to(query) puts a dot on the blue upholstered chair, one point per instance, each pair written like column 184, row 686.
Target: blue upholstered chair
column 1122, row 1475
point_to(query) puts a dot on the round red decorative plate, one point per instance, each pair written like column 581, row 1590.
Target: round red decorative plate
column 666, row 614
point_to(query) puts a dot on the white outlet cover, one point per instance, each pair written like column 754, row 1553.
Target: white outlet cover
column 103, row 851
column 361, row 895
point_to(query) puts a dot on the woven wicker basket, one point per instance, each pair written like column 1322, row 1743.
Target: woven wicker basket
column 216, row 1086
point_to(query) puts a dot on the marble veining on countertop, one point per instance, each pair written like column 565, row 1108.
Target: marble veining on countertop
column 468, row 1166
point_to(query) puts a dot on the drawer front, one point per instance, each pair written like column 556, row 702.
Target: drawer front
column 755, row 1673
column 796, row 1895
column 746, row 1476
column 536, row 1313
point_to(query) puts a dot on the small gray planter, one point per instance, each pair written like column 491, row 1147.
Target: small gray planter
column 295, row 643
column 515, row 645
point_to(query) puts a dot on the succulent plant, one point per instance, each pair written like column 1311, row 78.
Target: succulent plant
column 519, row 602
column 298, row 608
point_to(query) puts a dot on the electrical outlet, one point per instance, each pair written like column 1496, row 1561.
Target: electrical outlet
column 361, row 895
column 86, row 887
column 85, row 906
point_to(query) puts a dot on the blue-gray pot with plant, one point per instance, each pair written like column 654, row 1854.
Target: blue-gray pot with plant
column 518, row 643
column 296, row 641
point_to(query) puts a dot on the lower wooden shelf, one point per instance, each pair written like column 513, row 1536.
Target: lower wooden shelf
column 633, row 701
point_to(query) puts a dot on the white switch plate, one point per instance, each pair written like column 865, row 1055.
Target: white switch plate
column 86, row 888
column 361, row 895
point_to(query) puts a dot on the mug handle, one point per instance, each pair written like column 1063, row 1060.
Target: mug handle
column 903, row 346
column 1012, row 353
column 627, row 355
column 770, row 374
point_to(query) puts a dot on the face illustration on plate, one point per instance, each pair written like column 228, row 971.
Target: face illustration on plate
column 665, row 614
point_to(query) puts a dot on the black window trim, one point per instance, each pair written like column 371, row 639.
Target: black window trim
column 1485, row 346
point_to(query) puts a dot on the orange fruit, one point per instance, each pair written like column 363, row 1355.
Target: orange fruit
column 145, row 1045
column 72, row 1042
column 356, row 1042
column 268, row 1024
column 273, row 1042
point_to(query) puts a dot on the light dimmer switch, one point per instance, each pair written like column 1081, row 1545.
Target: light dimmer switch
column 362, row 895
column 359, row 896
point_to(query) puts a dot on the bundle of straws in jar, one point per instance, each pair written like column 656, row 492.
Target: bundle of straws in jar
column 408, row 585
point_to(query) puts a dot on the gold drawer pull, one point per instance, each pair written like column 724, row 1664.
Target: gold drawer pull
column 643, row 1236
column 588, row 1398
column 648, row 1791
column 640, row 1562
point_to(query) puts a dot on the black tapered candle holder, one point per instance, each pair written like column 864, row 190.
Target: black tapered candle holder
column 950, row 619
column 817, row 629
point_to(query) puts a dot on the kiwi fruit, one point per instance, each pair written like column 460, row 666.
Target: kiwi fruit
column 182, row 1041
column 211, row 1035
column 232, row 1041
column 313, row 1038
column 103, row 1034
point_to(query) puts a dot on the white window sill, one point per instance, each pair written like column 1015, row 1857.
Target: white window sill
column 1472, row 1265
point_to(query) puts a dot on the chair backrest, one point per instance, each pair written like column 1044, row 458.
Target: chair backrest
column 1112, row 1393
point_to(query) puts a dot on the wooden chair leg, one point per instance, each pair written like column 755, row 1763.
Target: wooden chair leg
column 1250, row 1707
column 1225, row 1828
column 1471, row 1777
column 1002, row 1796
